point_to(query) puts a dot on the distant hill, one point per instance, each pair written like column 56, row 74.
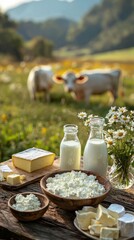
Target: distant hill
column 108, row 26
column 43, row 10
column 55, row 30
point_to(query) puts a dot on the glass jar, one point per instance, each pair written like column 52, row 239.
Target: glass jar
column 70, row 149
column 95, row 156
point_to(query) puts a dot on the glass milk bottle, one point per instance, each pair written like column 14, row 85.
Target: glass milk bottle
column 95, row 157
column 70, row 149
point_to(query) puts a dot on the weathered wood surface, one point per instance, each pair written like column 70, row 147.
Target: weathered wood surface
column 56, row 223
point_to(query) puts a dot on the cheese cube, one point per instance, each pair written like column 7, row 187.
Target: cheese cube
column 84, row 219
column 33, row 159
column 5, row 170
column 88, row 209
column 116, row 210
column 126, row 225
column 22, row 177
column 13, row 179
column 94, row 221
column 104, row 217
column 95, row 229
column 109, row 233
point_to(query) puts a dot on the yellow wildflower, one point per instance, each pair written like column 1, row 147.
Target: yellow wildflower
column 43, row 131
column 4, row 117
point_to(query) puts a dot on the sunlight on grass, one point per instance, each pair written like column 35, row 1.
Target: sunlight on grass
column 122, row 55
column 119, row 55
column 25, row 124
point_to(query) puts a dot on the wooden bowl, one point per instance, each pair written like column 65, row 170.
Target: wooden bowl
column 73, row 203
column 29, row 215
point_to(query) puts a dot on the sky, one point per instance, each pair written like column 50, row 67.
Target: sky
column 6, row 4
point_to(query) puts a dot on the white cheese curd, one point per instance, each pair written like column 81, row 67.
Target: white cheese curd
column 75, row 185
column 119, row 209
column 126, row 225
column 28, row 203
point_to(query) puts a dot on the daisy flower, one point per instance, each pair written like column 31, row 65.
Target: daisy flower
column 119, row 134
column 110, row 142
column 82, row 115
column 125, row 118
column 87, row 123
column 122, row 110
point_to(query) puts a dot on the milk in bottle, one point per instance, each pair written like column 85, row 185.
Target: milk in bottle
column 95, row 157
column 70, row 149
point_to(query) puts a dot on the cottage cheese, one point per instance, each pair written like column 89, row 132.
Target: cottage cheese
column 28, row 203
column 75, row 184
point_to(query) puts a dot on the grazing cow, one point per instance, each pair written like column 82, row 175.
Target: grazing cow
column 40, row 80
column 90, row 82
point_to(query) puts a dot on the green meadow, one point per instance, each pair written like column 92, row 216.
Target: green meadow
column 25, row 124
column 125, row 55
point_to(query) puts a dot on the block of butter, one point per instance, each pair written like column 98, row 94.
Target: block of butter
column 33, row 159
column 13, row 179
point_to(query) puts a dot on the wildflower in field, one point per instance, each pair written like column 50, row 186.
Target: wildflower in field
column 43, row 131
column 82, row 115
column 110, row 131
column 111, row 112
column 119, row 134
column 114, row 118
column 110, row 142
column 85, row 118
column 87, row 123
column 122, row 110
column 90, row 116
column 3, row 117
column 125, row 119
column 131, row 126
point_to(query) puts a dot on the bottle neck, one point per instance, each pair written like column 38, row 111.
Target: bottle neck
column 70, row 136
column 96, row 132
column 70, row 132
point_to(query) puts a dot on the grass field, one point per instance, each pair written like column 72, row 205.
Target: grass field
column 25, row 124
column 117, row 55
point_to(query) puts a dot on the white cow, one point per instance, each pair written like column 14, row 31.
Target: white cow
column 40, row 80
column 90, row 82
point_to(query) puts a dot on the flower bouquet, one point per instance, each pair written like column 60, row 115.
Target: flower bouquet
column 118, row 134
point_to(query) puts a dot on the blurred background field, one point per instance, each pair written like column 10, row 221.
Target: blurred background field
column 100, row 36
column 25, row 124
column 125, row 55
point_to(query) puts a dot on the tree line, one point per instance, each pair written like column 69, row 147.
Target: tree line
column 12, row 43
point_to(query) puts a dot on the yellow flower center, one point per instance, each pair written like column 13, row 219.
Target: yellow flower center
column 115, row 117
column 120, row 134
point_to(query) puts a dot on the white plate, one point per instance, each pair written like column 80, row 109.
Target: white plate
column 87, row 233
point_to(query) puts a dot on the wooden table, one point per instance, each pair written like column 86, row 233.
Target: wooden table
column 56, row 223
